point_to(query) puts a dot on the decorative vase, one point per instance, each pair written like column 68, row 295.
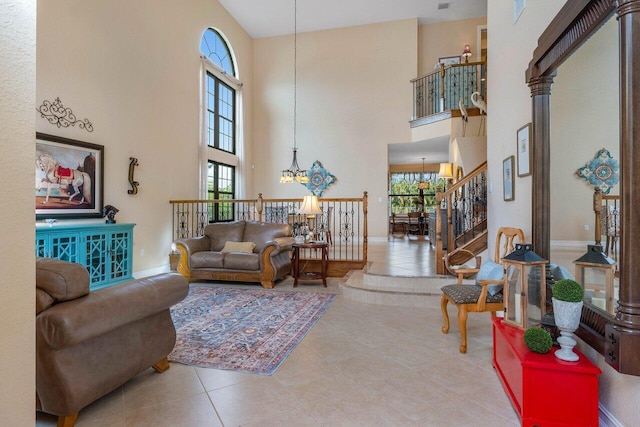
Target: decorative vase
column 567, row 318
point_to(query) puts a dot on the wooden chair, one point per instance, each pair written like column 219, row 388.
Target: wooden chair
column 474, row 298
column 397, row 225
column 456, row 263
column 415, row 223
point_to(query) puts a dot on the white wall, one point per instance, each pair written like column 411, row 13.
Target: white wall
column 353, row 99
column 17, row 259
column 132, row 68
column 446, row 39
column 510, row 50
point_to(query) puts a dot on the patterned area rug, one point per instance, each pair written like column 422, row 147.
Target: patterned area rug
column 244, row 330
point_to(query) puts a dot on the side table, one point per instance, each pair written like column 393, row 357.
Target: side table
column 311, row 275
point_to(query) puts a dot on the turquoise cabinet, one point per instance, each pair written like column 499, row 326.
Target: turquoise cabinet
column 106, row 250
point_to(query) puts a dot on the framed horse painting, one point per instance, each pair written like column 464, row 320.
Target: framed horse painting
column 69, row 178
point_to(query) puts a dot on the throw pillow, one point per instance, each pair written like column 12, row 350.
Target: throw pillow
column 239, row 247
column 559, row 272
column 491, row 271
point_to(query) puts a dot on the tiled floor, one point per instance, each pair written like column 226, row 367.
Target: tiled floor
column 360, row 365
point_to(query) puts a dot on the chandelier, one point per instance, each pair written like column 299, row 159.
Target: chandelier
column 294, row 173
column 423, row 185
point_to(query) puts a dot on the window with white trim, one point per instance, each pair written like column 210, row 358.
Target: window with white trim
column 220, row 127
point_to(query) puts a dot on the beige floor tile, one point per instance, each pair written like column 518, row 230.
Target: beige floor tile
column 188, row 411
column 150, row 388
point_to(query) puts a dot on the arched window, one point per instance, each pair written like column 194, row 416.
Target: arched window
column 221, row 121
column 215, row 48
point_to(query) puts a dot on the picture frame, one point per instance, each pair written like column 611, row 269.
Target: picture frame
column 69, row 178
column 523, row 150
column 508, row 189
column 449, row 60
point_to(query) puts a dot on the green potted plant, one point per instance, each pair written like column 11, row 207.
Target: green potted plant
column 567, row 308
column 538, row 340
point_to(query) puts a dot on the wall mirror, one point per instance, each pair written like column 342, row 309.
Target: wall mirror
column 616, row 336
column 584, row 118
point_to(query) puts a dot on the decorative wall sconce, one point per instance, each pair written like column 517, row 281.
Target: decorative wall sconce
column 133, row 162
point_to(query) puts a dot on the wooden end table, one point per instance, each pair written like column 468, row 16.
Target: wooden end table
column 311, row 275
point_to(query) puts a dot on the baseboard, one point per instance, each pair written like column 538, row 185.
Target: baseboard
column 152, row 271
column 569, row 244
column 606, row 418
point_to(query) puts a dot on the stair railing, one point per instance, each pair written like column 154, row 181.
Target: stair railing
column 466, row 205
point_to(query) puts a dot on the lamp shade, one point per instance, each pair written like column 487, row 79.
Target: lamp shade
column 446, row 170
column 310, row 206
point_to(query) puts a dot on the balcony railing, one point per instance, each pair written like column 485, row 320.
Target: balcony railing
column 343, row 223
column 442, row 89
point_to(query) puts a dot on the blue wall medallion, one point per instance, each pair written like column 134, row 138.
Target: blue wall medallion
column 319, row 179
column 601, row 172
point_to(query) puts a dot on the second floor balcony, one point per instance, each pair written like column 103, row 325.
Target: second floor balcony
column 447, row 92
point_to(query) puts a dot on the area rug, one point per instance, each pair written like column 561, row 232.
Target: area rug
column 243, row 330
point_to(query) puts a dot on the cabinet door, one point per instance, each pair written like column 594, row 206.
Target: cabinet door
column 120, row 252
column 97, row 256
column 64, row 246
column 42, row 245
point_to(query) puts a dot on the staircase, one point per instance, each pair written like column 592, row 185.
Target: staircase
column 466, row 205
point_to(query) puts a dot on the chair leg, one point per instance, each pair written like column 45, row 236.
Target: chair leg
column 462, row 323
column 161, row 366
column 67, row 420
column 443, row 305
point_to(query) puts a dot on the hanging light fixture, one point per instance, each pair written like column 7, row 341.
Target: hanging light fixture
column 294, row 173
column 423, row 185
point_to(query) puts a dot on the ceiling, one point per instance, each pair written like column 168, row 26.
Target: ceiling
column 268, row 18
column 435, row 150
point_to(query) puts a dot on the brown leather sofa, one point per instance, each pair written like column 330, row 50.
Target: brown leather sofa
column 205, row 257
column 90, row 343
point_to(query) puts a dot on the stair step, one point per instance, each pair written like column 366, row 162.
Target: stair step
column 393, row 290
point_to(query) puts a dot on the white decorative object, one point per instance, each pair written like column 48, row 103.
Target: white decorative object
column 567, row 318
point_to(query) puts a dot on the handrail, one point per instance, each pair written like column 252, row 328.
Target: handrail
column 467, row 198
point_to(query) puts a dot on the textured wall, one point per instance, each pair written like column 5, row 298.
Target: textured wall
column 17, row 260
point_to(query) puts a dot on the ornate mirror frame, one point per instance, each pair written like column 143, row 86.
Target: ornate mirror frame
column 617, row 337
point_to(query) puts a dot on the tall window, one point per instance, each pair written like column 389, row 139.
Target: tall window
column 220, row 185
column 220, row 131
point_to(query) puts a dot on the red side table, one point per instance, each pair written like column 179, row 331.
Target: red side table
column 544, row 390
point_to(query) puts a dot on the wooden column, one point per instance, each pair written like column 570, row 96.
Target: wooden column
column 623, row 336
column 541, row 177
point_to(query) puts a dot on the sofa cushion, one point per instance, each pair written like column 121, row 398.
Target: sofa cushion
column 239, row 247
column 223, row 232
column 207, row 259
column 242, row 261
column 263, row 232
column 62, row 280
